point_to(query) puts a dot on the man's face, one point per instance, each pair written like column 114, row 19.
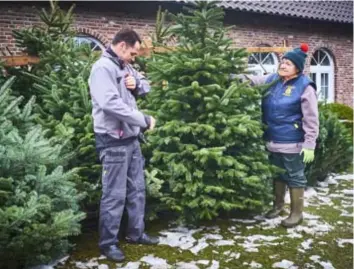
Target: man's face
column 129, row 52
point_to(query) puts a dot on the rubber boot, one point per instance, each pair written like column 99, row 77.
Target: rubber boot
column 278, row 205
column 297, row 205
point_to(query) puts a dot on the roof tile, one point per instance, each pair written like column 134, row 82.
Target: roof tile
column 336, row 11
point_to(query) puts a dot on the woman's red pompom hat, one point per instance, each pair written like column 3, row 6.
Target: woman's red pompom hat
column 304, row 47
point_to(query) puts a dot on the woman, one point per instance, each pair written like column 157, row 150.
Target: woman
column 290, row 113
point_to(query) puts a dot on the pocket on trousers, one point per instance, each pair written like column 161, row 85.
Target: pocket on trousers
column 114, row 156
column 114, row 172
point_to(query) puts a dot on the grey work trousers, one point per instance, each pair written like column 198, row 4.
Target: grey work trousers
column 123, row 185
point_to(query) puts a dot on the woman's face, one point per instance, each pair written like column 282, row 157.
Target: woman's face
column 287, row 68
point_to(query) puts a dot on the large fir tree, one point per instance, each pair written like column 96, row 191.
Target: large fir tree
column 208, row 145
column 60, row 84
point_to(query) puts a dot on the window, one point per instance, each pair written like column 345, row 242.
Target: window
column 264, row 62
column 322, row 73
column 95, row 44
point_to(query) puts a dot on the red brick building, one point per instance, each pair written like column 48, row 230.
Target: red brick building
column 327, row 26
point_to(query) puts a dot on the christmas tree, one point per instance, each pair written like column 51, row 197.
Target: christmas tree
column 334, row 151
column 207, row 147
column 39, row 204
column 60, row 84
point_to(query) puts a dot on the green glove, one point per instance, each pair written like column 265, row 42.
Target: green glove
column 309, row 155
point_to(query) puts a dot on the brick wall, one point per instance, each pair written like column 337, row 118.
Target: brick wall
column 103, row 20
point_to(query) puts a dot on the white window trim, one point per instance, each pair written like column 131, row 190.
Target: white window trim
column 90, row 38
column 269, row 68
column 318, row 69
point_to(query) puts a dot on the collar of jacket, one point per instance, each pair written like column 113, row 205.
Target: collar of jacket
column 111, row 54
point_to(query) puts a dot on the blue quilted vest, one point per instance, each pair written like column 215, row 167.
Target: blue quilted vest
column 281, row 109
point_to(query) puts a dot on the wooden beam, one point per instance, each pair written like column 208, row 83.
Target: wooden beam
column 19, row 60
column 144, row 51
column 268, row 49
column 147, row 50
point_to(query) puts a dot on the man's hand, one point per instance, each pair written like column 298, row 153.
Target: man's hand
column 152, row 123
column 309, row 155
column 130, row 82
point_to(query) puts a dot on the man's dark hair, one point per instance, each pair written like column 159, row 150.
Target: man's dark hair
column 128, row 36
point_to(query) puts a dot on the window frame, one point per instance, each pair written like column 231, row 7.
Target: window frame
column 323, row 69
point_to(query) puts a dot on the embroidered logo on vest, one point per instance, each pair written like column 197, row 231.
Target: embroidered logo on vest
column 288, row 90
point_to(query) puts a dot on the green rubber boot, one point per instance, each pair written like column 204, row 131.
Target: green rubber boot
column 278, row 205
column 297, row 206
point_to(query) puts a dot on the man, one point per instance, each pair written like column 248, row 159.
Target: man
column 114, row 84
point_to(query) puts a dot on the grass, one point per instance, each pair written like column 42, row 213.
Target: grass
column 287, row 248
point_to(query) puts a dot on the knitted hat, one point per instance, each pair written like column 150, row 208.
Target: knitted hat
column 298, row 56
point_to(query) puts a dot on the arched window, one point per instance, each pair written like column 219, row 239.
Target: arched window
column 322, row 73
column 95, row 44
column 260, row 63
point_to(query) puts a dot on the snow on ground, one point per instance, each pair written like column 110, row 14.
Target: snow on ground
column 155, row 262
column 348, row 177
column 245, row 234
column 283, row 264
column 341, row 242
column 178, row 237
column 324, row 264
column 131, row 265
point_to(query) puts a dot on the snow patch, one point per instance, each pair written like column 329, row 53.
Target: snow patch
column 293, row 234
column 283, row 264
column 214, row 265
column 345, row 213
column 131, row 265
column 314, row 227
column 309, row 193
column 200, row 246
column 186, row 265
column 232, row 256
column 332, row 181
column 213, row 236
column 224, row 243
column 348, row 192
column 349, row 177
column 306, row 244
column 336, row 195
column 310, row 216
column 155, row 262
column 341, row 242
column 325, row 265
column 271, row 223
column 180, row 237
column 322, row 184
column 80, row 265
column 204, row 262
column 254, row 264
